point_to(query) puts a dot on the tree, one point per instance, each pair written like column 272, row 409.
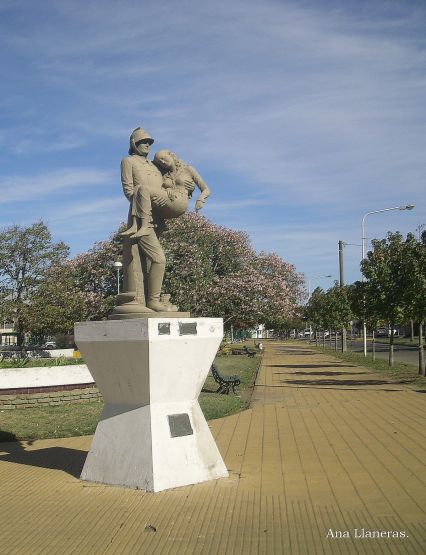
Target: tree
column 338, row 308
column 329, row 309
column 56, row 305
column 385, row 272
column 26, row 254
column 212, row 270
column 414, row 294
column 316, row 310
column 93, row 274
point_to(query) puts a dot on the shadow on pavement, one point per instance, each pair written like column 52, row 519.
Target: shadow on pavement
column 322, row 373
column 55, row 458
column 340, row 382
column 311, row 366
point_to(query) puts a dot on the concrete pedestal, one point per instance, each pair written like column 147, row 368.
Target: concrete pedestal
column 152, row 434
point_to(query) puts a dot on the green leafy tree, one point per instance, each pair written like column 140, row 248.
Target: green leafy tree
column 414, row 293
column 316, row 310
column 385, row 273
column 338, row 308
column 26, row 254
column 56, row 305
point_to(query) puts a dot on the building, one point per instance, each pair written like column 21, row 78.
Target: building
column 7, row 334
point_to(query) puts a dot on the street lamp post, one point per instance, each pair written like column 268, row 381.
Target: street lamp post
column 118, row 265
column 363, row 238
column 328, row 276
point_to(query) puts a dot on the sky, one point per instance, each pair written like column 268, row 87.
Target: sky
column 301, row 116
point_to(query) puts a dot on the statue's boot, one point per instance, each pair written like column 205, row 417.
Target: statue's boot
column 155, row 281
column 129, row 231
column 143, row 230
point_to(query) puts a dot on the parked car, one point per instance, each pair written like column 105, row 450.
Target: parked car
column 50, row 345
column 384, row 332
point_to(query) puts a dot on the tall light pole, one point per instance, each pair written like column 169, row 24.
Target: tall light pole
column 328, row 276
column 363, row 238
column 118, row 265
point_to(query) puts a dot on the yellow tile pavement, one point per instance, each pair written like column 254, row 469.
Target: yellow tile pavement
column 327, row 456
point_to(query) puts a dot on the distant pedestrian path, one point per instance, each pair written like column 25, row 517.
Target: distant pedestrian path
column 329, row 459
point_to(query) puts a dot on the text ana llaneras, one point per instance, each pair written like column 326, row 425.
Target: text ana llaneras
column 364, row 533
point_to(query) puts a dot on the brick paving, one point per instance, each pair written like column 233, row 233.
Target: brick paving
column 325, row 449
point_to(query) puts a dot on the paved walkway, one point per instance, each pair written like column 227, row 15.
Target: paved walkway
column 326, row 450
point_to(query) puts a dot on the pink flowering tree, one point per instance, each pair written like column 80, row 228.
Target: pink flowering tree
column 214, row 271
column 94, row 275
column 211, row 271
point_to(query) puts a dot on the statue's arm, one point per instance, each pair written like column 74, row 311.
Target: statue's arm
column 127, row 178
column 201, row 184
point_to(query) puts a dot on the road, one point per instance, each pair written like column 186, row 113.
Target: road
column 402, row 353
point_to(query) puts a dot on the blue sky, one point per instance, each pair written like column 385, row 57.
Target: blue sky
column 300, row 115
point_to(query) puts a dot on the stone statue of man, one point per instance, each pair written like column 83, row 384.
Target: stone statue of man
column 157, row 191
column 137, row 172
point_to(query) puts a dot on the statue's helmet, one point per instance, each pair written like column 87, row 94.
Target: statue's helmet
column 137, row 135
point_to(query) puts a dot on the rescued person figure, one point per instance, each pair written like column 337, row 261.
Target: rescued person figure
column 171, row 200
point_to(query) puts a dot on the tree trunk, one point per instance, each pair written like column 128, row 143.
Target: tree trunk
column 391, row 359
column 335, row 340
column 323, row 338
column 374, row 345
column 422, row 369
column 412, row 331
column 344, row 343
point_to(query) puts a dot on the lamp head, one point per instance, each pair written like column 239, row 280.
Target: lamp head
column 407, row 207
column 118, row 264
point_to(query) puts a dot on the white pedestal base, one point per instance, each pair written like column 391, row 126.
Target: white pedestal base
column 152, row 434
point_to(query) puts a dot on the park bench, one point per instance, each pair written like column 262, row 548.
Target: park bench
column 249, row 353
column 225, row 382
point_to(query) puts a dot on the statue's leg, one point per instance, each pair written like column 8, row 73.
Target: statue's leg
column 151, row 247
column 132, row 225
column 131, row 301
column 143, row 210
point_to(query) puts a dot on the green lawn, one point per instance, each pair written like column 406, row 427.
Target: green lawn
column 76, row 419
column 39, row 362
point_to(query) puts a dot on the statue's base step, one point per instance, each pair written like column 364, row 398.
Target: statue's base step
column 149, row 315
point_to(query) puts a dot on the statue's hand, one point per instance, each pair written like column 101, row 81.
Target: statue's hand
column 189, row 185
column 159, row 200
column 198, row 205
column 171, row 194
column 168, row 182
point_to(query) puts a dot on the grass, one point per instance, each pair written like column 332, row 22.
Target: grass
column 400, row 372
column 75, row 419
column 39, row 362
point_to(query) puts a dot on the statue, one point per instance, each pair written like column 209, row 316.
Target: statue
column 157, row 190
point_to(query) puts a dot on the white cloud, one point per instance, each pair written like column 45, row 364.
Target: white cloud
column 30, row 188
